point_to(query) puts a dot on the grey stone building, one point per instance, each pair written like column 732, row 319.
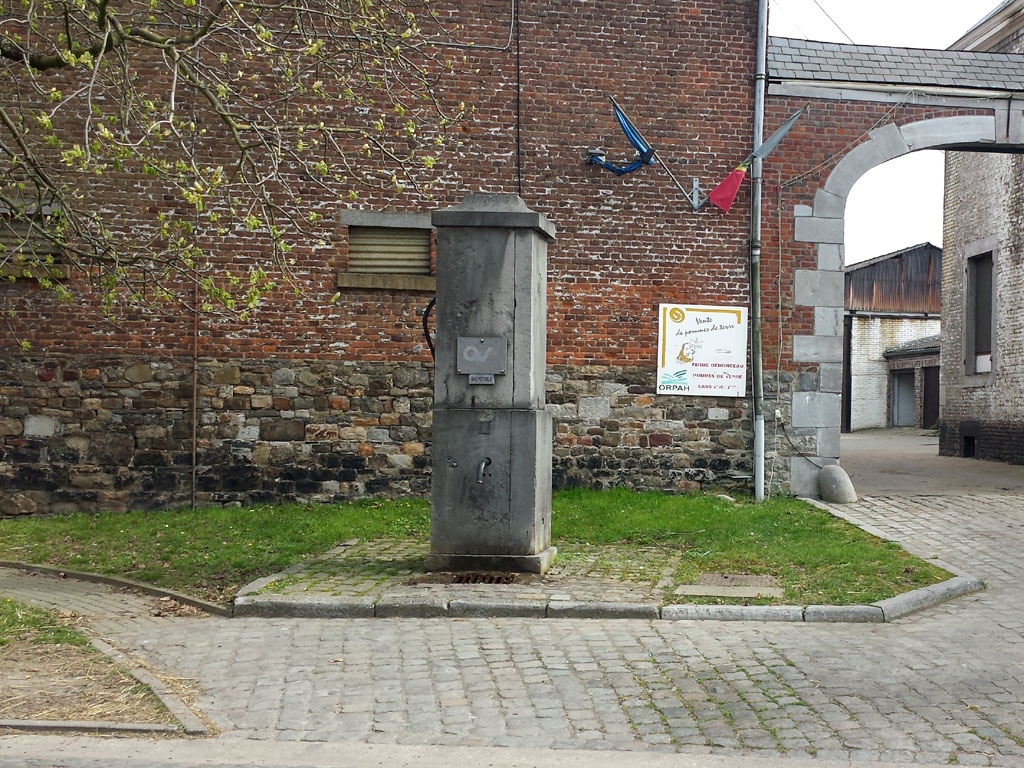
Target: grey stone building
column 983, row 281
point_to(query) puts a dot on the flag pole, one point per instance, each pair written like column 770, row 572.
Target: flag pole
column 656, row 156
column 670, row 174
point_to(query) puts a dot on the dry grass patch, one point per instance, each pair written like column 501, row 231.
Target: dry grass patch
column 48, row 671
column 65, row 682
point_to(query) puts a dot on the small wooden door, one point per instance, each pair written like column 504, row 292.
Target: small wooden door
column 931, row 397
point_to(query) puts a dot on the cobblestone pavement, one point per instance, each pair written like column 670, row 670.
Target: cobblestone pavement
column 98, row 602
column 946, row 684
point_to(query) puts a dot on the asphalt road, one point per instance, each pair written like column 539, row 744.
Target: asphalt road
column 83, row 752
column 906, row 462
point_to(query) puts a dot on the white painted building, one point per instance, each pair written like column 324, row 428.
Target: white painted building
column 891, row 300
column 875, row 398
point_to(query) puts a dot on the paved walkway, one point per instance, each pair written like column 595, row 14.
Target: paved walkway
column 943, row 685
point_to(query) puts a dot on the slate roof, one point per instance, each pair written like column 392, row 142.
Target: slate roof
column 927, row 345
column 790, row 59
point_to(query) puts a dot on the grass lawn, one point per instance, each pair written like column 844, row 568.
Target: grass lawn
column 212, row 552
column 817, row 558
column 19, row 621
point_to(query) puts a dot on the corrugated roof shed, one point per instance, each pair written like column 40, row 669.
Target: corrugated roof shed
column 905, row 282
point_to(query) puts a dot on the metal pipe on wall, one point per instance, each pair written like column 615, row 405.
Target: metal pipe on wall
column 760, row 82
column 195, row 389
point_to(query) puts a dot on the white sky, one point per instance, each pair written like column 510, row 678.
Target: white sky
column 898, row 204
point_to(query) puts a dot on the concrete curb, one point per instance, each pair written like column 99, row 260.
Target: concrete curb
column 86, row 726
column 926, row 597
column 190, row 723
column 574, row 609
column 481, row 608
column 405, row 607
column 426, row 607
column 399, row 606
column 733, row 612
column 311, row 607
column 396, row 607
column 856, row 614
column 116, row 581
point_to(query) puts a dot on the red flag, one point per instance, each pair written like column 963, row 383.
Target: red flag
column 725, row 193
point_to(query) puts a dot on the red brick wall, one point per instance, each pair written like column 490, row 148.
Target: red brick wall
column 683, row 70
column 624, row 244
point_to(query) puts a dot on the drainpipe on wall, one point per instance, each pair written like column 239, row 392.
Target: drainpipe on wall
column 195, row 388
column 760, row 80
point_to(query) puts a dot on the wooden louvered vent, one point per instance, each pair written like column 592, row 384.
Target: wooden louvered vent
column 24, row 251
column 389, row 250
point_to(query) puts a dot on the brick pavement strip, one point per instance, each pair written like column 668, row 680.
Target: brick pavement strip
column 943, row 685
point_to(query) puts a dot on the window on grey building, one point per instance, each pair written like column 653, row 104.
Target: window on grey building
column 980, row 313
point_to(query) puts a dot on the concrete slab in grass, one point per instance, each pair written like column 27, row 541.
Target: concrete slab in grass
column 716, row 590
column 572, row 609
column 315, row 607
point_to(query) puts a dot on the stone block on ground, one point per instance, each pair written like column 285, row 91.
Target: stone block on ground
column 835, row 485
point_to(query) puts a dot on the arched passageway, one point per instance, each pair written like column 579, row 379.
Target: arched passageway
column 869, row 105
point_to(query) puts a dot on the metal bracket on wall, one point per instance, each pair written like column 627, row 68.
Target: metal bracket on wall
column 696, row 196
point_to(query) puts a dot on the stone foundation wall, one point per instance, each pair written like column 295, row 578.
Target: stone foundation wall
column 611, row 430
column 994, row 441
column 88, row 434
column 99, row 434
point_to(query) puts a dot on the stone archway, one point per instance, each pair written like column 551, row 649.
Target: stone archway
column 822, row 225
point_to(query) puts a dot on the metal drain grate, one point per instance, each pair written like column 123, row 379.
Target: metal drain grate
column 485, row 578
column 472, row 577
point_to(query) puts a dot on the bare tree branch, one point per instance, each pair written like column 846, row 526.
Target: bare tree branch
column 239, row 121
